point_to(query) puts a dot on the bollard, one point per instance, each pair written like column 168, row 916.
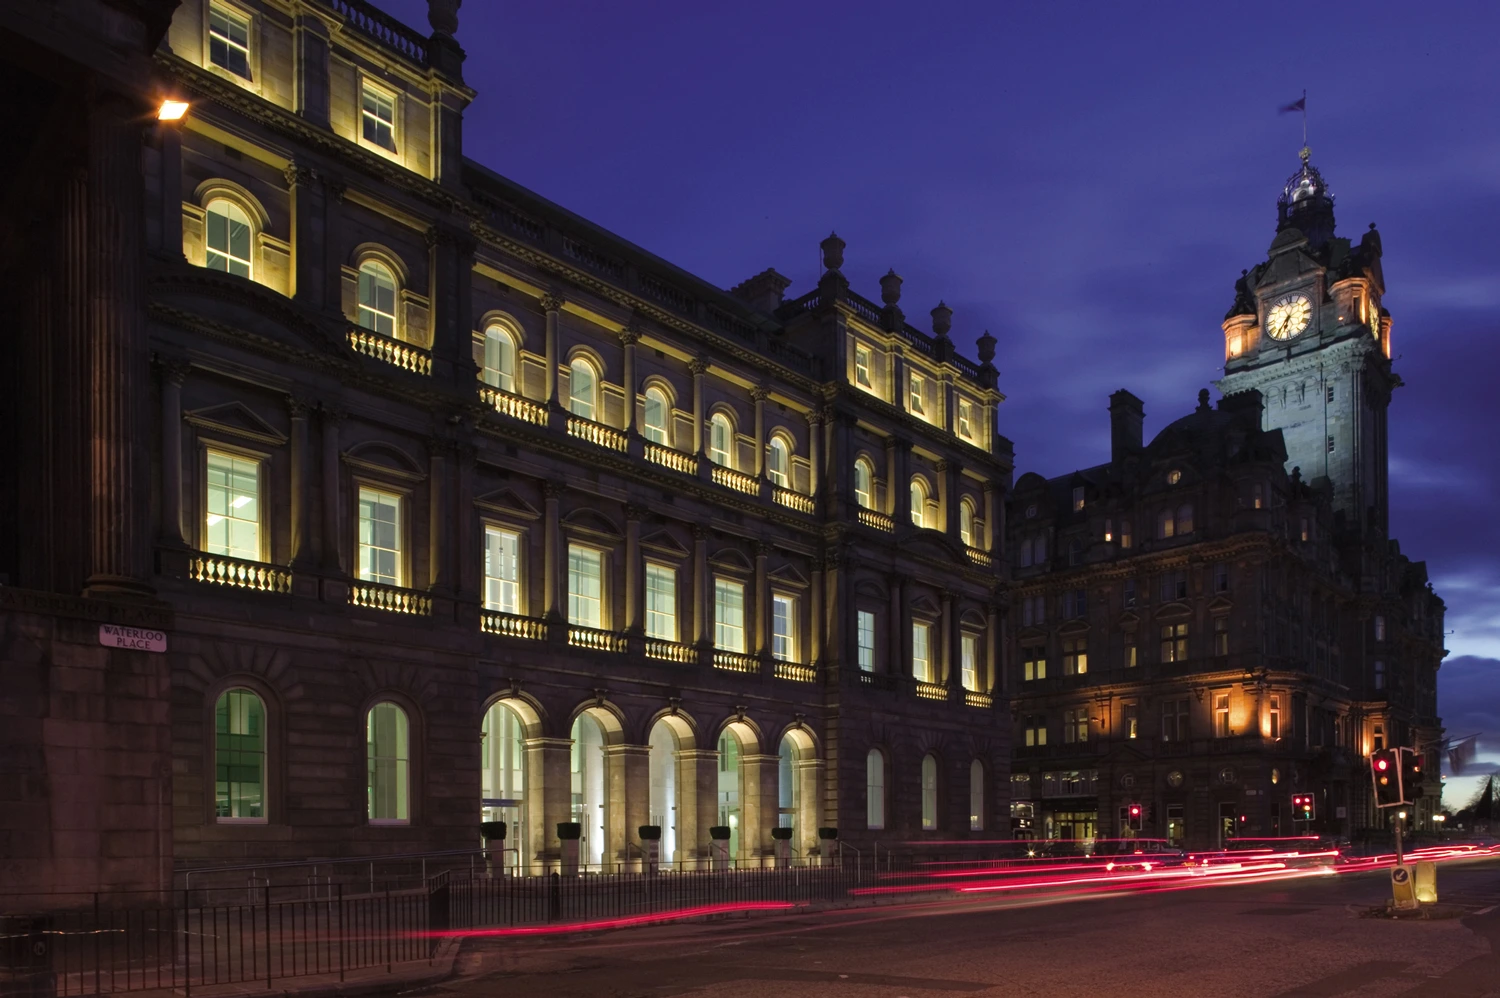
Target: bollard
column 718, row 848
column 781, row 839
column 568, row 833
column 650, row 848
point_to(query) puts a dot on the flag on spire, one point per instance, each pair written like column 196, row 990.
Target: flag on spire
column 1300, row 104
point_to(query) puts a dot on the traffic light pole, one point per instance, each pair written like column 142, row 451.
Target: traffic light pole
column 1399, row 859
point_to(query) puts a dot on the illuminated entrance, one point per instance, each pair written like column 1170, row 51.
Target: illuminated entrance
column 502, row 771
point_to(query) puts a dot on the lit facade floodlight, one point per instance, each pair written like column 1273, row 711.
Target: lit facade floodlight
column 172, row 110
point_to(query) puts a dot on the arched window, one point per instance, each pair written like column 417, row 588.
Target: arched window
column 662, row 764
column 918, row 502
column 976, row 796
column 864, row 484
column 929, row 792
column 239, row 757
column 499, row 359
column 1165, row 525
column 228, row 236
column 654, row 425
column 503, row 771
column 875, row 789
column 966, row 523
column 720, row 440
column 590, row 804
column 788, row 790
column 779, row 463
column 387, row 757
column 1185, row 519
column 377, row 298
column 582, row 389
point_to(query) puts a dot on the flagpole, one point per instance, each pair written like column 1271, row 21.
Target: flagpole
column 1304, row 117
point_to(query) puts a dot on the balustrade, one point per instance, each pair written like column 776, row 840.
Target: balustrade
column 393, row 352
column 240, row 573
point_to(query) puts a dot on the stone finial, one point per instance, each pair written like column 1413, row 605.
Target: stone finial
column 1202, row 399
column 986, row 344
column 833, row 251
column 443, row 16
column 890, row 287
column 942, row 319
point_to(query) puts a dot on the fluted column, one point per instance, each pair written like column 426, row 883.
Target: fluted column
column 301, row 484
column 897, row 629
column 119, row 368
column 173, row 374
column 552, row 304
column 700, row 585
column 699, row 368
column 439, row 570
column 947, row 655
column 814, row 452
column 628, row 339
column 992, row 680
column 333, row 540
column 761, row 642
column 466, row 542
column 759, row 396
column 816, row 624
column 635, row 590
column 70, row 386
column 554, row 574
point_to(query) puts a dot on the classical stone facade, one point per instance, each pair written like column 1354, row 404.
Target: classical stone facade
column 1214, row 621
column 355, row 494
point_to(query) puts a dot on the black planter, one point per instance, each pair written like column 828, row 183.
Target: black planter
column 492, row 830
column 718, row 832
column 650, row 833
column 828, row 833
column 569, row 831
column 782, row 834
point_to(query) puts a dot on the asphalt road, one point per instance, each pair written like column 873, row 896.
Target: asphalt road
column 1302, row 939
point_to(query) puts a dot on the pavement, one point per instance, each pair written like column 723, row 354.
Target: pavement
column 1302, row 939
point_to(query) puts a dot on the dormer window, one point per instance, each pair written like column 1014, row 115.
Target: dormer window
column 1077, row 498
column 378, row 114
column 966, row 419
column 229, row 41
column 918, row 393
column 862, row 367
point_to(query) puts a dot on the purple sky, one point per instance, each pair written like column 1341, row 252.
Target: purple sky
column 1085, row 180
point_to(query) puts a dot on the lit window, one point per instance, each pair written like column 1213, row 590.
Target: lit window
column 502, row 570
column 866, row 629
column 585, row 586
column 1109, row 529
column 1034, row 663
column 1036, row 729
column 976, row 796
column 1174, row 642
column 929, row 792
column 1306, row 533
column 966, row 523
column 969, row 661
column 229, row 41
column 1131, row 658
column 864, row 491
column 1075, row 656
column 1124, row 534
column 380, row 537
column 1221, row 636
column 778, row 463
column 379, row 114
column 1077, row 498
column 1257, row 496
column 921, row 660
column 1274, row 718
column 918, row 503
column 720, row 440
column 661, row 602
column 654, row 425
column 239, row 756
column 1076, row 725
column 1130, row 721
column 917, row 393
column 1174, row 476
column 966, row 419
column 377, row 298
column 783, row 628
column 582, row 389
column 862, row 367
column 874, row 790
column 1236, row 345
column 232, row 527
column 1221, row 715
column 1165, row 525
column 499, row 359
column 227, row 235
column 729, row 616
column 386, row 755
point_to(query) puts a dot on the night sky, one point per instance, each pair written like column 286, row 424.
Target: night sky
column 1084, row 180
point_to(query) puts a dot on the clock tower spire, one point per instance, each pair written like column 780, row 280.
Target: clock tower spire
column 1307, row 331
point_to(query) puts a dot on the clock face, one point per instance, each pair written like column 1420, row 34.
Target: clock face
column 1288, row 316
column 1174, row 778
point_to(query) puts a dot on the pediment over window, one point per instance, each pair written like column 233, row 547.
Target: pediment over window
column 663, row 541
column 788, row 575
column 1174, row 611
column 1032, row 634
column 384, row 458
column 506, row 502
column 1073, row 628
column 732, row 559
column 1220, row 604
column 1129, row 619
column 972, row 619
column 871, row 588
column 586, row 520
column 236, row 419
column 925, row 606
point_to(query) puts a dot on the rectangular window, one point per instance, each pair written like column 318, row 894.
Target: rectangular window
column 1173, row 586
column 1221, row 636
column 378, row 111
column 783, row 628
column 1221, row 715
column 661, row 602
column 1379, row 737
column 729, row 616
column 1274, row 718
column 1129, row 593
column 585, row 586
column 1075, row 604
column 1025, row 557
column 1306, row 532
column 969, row 652
column 1036, row 729
column 921, row 660
column 1379, row 674
column 918, row 393
column 1130, row 719
column 1034, row 662
column 1330, row 445
column 380, row 537
column 1328, row 394
column 1257, row 495
column 229, row 41
column 1174, row 720
column 1076, row 725
column 232, row 521
column 1379, row 627
column 1131, row 657
column 502, row 570
column 1077, row 498
column 1033, row 611
column 1174, row 642
column 866, row 628
column 966, row 419
column 1124, row 533
column 862, row 367
column 1221, row 577
column 1075, row 656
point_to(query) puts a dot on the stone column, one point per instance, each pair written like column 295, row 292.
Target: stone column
column 311, row 42
column 334, row 251
column 758, row 806
column 900, row 390
column 71, row 386
column 950, row 478
column 171, row 192
column 466, row 542
column 949, row 403
column 173, row 374
column 898, row 452
column 549, row 795
column 816, row 624
column 994, row 680
column 700, row 586
column 119, row 369
column 990, row 527
column 759, row 396
column 308, row 287
column 301, row 485
column 629, row 337
column 450, row 284
column 629, row 798
column 760, row 641
column 698, row 368
column 838, row 584
column 554, row 571
column 704, row 763
column 635, row 574
column 898, row 629
column 439, row 570
column 815, row 452
column 809, row 776
column 552, row 305
column 333, row 539
column 947, row 657
column 692, row 835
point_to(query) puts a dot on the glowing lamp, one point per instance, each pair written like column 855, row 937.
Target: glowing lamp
column 1439, row 817
column 172, row 110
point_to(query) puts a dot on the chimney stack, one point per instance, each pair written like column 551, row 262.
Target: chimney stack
column 1127, row 417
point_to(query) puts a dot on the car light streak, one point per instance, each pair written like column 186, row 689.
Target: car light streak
column 609, row 923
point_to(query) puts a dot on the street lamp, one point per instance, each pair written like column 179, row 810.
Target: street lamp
column 171, row 110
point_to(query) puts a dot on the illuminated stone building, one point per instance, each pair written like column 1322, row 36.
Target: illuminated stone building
column 1217, row 619
column 354, row 494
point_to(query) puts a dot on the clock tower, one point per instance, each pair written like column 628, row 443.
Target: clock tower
column 1308, row 332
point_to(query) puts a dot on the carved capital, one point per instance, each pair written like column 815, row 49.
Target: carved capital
column 337, row 188
column 635, row 512
column 763, row 549
column 815, row 417
column 553, row 490
column 299, row 407
column 551, row 302
column 629, row 336
column 760, row 393
column 174, row 370
column 700, row 532
column 298, row 175
column 332, row 413
column 698, row 367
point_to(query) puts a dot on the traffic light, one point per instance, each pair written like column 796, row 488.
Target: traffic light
column 1303, row 807
column 1385, row 770
column 1134, row 811
column 1411, row 775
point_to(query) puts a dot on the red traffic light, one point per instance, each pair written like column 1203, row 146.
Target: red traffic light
column 1135, row 810
column 1382, row 764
